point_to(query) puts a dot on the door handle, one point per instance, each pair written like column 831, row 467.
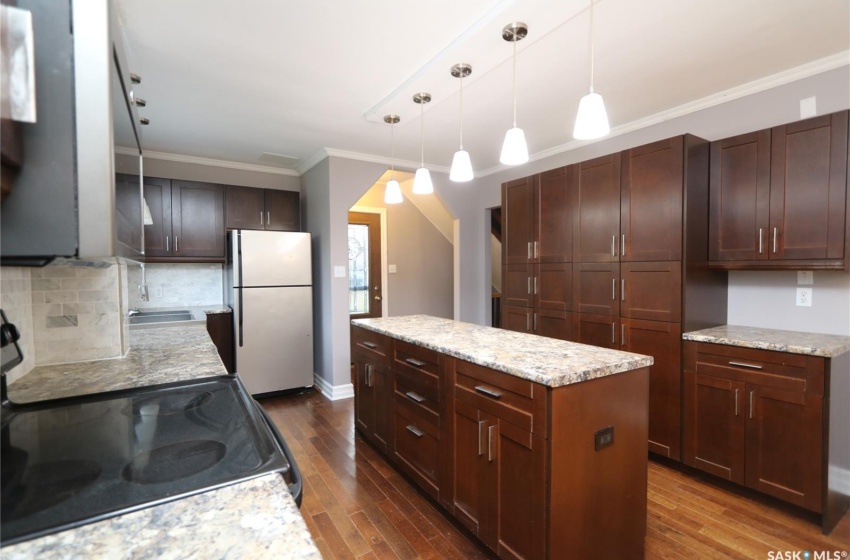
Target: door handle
column 414, row 362
column 535, row 285
column 529, row 249
column 751, row 404
column 623, row 247
column 176, row 244
column 167, row 247
column 415, row 431
column 613, row 288
column 368, row 344
column 736, row 402
column 261, row 217
column 535, row 321
column 527, row 321
column 614, row 333
column 491, row 442
column 622, row 334
column 774, row 240
column 529, row 285
column 623, row 289
column 760, row 242
column 268, row 218
column 535, row 249
column 414, row 397
column 742, row 364
column 613, row 245
column 481, row 426
column 489, row 392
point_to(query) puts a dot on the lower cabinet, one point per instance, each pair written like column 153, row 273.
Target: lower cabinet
column 372, row 385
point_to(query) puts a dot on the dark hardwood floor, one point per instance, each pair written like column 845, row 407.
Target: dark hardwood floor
column 357, row 506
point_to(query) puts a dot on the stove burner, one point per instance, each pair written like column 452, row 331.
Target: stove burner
column 173, row 402
column 173, row 462
column 46, row 485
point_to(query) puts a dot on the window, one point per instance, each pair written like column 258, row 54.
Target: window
column 358, row 269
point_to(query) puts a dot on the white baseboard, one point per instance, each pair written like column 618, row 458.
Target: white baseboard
column 839, row 479
column 333, row 392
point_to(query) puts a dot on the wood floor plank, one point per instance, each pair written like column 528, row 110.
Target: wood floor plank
column 353, row 497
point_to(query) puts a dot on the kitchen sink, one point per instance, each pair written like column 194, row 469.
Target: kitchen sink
column 144, row 317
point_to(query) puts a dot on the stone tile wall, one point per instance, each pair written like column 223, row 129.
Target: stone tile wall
column 176, row 285
column 16, row 301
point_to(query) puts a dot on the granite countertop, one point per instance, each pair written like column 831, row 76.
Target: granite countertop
column 794, row 342
column 157, row 355
column 254, row 519
column 547, row 361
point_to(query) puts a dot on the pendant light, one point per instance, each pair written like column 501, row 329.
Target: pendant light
column 514, row 149
column 591, row 120
column 392, row 194
column 422, row 181
column 461, row 165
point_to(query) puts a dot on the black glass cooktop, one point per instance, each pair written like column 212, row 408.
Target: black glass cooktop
column 73, row 461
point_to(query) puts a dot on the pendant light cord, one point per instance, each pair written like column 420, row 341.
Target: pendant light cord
column 515, row 40
column 422, row 130
column 392, row 150
column 461, row 108
column 591, row 46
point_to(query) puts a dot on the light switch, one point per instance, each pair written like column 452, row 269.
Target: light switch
column 392, row 269
column 805, row 277
column 804, row 297
column 339, row 272
column 808, row 107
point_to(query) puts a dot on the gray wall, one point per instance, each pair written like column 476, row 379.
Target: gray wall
column 209, row 173
column 778, row 105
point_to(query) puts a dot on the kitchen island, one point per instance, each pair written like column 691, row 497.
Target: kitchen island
column 257, row 518
column 538, row 446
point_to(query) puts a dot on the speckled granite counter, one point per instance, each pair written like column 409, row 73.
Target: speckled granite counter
column 255, row 519
column 543, row 360
column 157, row 355
column 811, row 344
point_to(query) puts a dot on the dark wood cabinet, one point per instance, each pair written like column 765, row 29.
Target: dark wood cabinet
column 651, row 291
column 262, row 209
column 220, row 329
column 762, row 419
column 517, row 318
column 517, row 289
column 596, row 217
column 597, row 330
column 596, row 288
column 779, row 197
column 188, row 221
column 372, row 386
column 518, row 221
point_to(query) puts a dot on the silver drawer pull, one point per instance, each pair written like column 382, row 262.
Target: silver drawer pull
column 491, row 442
column 415, row 431
column 736, row 402
column 414, row 362
column 489, row 392
column 368, row 344
column 742, row 364
column 414, row 397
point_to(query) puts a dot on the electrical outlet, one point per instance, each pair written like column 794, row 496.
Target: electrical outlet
column 805, row 277
column 392, row 269
column 804, row 297
column 339, row 272
column 157, row 292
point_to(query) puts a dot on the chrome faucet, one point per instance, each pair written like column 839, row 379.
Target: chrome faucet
column 133, row 312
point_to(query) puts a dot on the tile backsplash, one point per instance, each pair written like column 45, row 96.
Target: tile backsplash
column 16, row 301
column 175, row 285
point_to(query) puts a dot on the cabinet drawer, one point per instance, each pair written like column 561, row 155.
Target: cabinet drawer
column 372, row 344
column 782, row 370
column 417, row 451
column 511, row 398
column 423, row 412
column 417, row 360
column 419, row 387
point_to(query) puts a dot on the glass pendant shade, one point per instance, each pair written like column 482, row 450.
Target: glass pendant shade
column 422, row 182
column 591, row 120
column 392, row 195
column 514, row 150
column 461, row 167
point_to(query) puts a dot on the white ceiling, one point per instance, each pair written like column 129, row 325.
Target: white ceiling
column 231, row 79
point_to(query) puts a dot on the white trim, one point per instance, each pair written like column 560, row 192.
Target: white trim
column 385, row 303
column 456, row 264
column 312, row 161
column 781, row 78
column 402, row 163
column 333, row 392
column 839, row 479
column 218, row 163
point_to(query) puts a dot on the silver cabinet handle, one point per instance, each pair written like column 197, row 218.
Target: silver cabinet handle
column 623, row 289
column 529, row 249
column 613, row 288
column 535, row 249
column 415, row 431
column 529, row 285
column 622, row 334
column 261, row 217
column 736, row 402
column 489, row 392
column 623, row 247
column 535, row 285
column 527, row 321
column 751, row 403
column 614, row 333
column 613, row 245
column 368, row 344
column 774, row 240
column 742, row 364
column 481, row 425
column 491, row 442
column 414, row 362
column 535, row 321
column 268, row 218
column 414, row 397
column 167, row 247
column 760, row 243
column 366, row 370
column 176, row 244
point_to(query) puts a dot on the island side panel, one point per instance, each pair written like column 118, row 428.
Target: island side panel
column 836, row 498
column 598, row 498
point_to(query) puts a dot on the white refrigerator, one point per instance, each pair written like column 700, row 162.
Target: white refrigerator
column 268, row 283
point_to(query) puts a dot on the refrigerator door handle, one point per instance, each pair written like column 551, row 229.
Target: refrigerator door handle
column 241, row 285
column 241, row 337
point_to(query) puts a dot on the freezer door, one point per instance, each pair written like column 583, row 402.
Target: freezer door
column 274, row 338
column 271, row 258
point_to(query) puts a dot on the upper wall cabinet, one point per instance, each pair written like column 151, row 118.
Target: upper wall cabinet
column 597, row 210
column 263, row 209
column 779, row 197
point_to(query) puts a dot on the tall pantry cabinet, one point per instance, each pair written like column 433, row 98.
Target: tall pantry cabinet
column 638, row 220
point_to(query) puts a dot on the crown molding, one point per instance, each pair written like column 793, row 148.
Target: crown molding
column 166, row 156
column 763, row 84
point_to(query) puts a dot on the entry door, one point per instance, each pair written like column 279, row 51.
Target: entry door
column 365, row 291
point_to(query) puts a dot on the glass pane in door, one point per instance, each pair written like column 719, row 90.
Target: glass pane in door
column 358, row 268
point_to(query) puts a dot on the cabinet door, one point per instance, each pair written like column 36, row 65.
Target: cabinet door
column 158, row 236
column 651, row 202
column 553, row 208
column 471, row 485
column 739, row 198
column 596, row 218
column 552, row 285
column 283, row 210
column 714, row 425
column 518, row 220
column 245, row 207
column 197, row 217
column 596, row 288
column 596, row 330
column 554, row 324
column 518, row 285
column 383, row 388
column 517, row 318
column 364, row 396
column 651, row 291
column 662, row 341
column 514, row 455
column 784, row 445
column 808, row 188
